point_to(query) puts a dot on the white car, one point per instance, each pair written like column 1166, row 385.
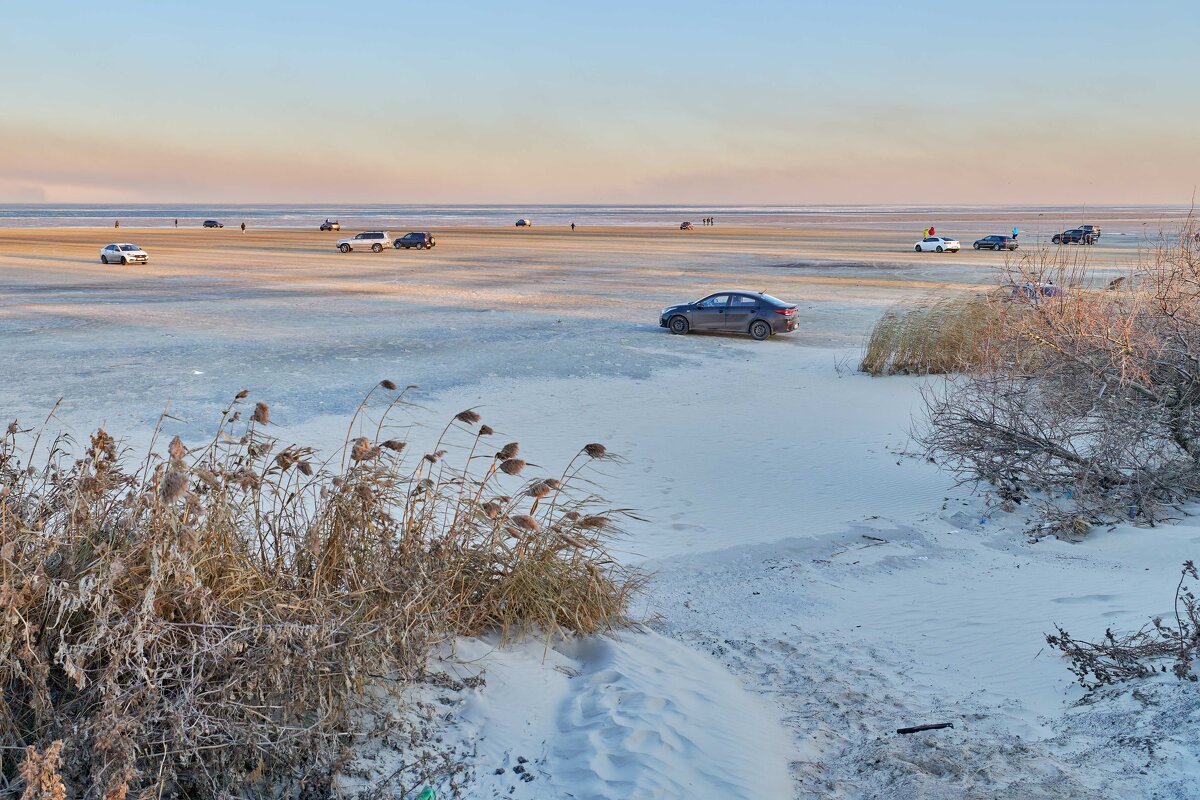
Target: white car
column 375, row 240
column 123, row 254
column 937, row 244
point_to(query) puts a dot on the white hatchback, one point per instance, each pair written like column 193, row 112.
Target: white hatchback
column 124, row 253
column 937, row 244
column 375, row 241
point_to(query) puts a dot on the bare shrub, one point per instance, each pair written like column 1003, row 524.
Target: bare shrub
column 1087, row 401
column 932, row 336
column 220, row 621
column 1140, row 654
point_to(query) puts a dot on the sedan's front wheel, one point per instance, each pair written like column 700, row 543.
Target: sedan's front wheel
column 917, row 248
column 939, row 248
column 345, row 248
column 760, row 330
column 976, row 245
column 103, row 259
column 124, row 261
column 678, row 325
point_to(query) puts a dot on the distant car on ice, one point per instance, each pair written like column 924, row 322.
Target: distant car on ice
column 996, row 243
column 755, row 313
column 123, row 253
column 1031, row 290
column 421, row 241
column 373, row 240
column 331, row 226
column 937, row 244
column 686, row 226
column 212, row 223
column 524, row 222
column 1075, row 236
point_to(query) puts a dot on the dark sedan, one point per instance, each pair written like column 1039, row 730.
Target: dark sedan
column 212, row 223
column 1074, row 236
column 420, row 241
column 755, row 313
column 996, row 243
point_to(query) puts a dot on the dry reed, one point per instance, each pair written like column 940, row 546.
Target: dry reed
column 932, row 336
column 207, row 624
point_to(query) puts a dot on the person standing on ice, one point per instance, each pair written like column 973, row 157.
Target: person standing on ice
column 243, row 227
column 1015, row 231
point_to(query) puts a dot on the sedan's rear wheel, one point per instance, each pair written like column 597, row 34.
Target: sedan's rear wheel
column 345, row 248
column 678, row 325
column 760, row 330
column 103, row 259
column 376, row 248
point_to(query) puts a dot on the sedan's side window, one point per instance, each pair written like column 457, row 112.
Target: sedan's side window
column 715, row 302
column 743, row 301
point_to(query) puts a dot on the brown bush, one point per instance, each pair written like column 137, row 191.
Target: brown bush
column 1088, row 401
column 205, row 623
column 1122, row 657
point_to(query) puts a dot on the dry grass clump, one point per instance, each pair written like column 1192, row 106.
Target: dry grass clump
column 205, row 623
column 932, row 336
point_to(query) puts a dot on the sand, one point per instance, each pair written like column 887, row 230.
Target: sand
column 817, row 584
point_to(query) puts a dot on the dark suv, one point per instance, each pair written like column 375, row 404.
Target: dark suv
column 212, row 223
column 1074, row 236
column 755, row 313
column 996, row 243
column 420, row 241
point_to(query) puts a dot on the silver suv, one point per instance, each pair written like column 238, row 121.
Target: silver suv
column 376, row 240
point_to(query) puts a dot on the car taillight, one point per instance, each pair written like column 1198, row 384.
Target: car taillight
column 787, row 312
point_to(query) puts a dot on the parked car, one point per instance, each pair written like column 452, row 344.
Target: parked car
column 1094, row 230
column 124, row 253
column 1031, row 291
column 755, row 313
column 996, row 243
column 1074, row 236
column 212, row 223
column 421, row 241
column 331, row 226
column 523, row 222
column 937, row 244
column 686, row 226
column 375, row 240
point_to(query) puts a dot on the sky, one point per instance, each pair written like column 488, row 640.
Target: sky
column 615, row 102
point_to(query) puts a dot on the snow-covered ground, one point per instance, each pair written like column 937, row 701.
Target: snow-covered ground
column 816, row 585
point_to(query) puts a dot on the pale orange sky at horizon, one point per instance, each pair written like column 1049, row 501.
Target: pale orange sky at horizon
column 770, row 104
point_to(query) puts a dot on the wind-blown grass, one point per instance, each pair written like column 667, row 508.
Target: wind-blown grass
column 204, row 623
column 931, row 336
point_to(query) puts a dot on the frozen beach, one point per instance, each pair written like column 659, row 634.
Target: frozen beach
column 816, row 583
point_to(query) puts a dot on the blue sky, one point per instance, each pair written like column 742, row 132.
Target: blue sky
column 768, row 102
